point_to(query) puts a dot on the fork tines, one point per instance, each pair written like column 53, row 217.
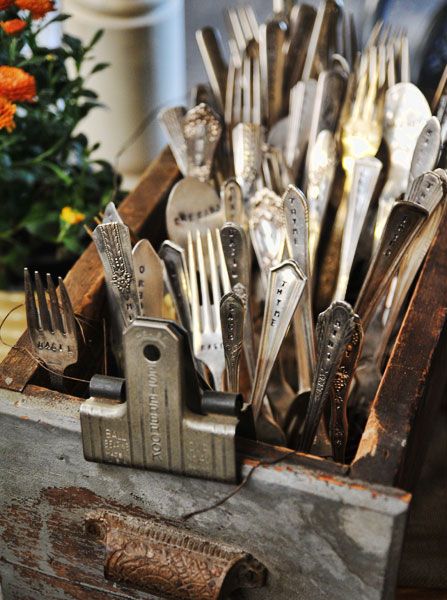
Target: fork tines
column 59, row 317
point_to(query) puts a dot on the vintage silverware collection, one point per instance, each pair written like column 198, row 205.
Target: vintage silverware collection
column 313, row 182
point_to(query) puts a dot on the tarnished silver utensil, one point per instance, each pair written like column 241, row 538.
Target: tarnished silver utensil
column 285, row 286
column 149, row 279
column 335, row 327
column 232, row 317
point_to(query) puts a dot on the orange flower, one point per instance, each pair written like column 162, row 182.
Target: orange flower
column 37, row 8
column 7, row 112
column 16, row 84
column 4, row 4
column 13, row 26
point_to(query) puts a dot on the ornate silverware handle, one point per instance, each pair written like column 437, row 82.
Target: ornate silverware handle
column 170, row 562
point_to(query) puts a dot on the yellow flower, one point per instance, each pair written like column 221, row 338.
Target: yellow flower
column 37, row 8
column 7, row 112
column 71, row 216
column 16, row 84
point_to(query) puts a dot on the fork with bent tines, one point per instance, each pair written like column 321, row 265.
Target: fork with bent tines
column 208, row 273
column 51, row 326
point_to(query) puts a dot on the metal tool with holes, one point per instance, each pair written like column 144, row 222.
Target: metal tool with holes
column 51, row 326
column 167, row 422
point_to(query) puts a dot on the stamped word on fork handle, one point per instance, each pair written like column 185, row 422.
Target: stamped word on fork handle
column 296, row 217
column 285, row 287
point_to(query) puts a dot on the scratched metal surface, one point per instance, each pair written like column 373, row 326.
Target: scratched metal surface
column 320, row 537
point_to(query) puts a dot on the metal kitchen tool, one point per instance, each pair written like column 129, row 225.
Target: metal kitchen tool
column 149, row 279
column 210, row 45
column 233, row 201
column 115, row 251
column 174, row 260
column 266, row 229
column 201, row 130
column 51, row 327
column 171, row 120
column 329, row 96
column 236, row 253
column 296, row 218
column 403, row 224
column 247, row 142
column 162, row 425
column 426, row 151
column 338, row 423
column 406, row 112
column 335, row 327
column 320, row 176
column 183, row 216
column 232, row 317
column 364, row 180
column 272, row 38
column 285, row 286
column 205, row 308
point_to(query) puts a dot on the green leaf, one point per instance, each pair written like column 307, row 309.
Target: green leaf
column 95, row 39
column 99, row 67
column 60, row 173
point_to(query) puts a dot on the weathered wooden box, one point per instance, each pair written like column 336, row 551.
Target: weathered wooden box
column 322, row 530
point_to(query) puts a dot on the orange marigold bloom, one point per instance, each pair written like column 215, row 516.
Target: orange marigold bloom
column 16, row 84
column 37, row 8
column 13, row 26
column 4, row 4
column 7, row 112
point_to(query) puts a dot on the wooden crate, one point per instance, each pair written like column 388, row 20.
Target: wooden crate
column 322, row 530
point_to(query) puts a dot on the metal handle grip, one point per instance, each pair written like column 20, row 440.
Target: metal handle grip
column 170, row 562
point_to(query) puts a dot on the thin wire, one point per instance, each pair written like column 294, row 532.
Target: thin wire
column 239, row 487
column 146, row 122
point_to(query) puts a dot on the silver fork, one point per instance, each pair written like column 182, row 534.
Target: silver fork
column 51, row 326
column 205, row 310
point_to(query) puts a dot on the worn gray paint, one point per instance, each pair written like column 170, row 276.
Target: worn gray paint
column 320, row 537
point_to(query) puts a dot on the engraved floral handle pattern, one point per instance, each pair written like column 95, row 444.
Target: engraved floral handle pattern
column 170, row 562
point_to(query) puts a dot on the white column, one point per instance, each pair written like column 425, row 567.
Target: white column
column 144, row 42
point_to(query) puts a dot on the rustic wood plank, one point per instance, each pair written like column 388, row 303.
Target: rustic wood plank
column 314, row 532
column 85, row 280
column 414, row 380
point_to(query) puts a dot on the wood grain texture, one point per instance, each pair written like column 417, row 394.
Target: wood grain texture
column 398, row 427
column 320, row 536
column 84, row 281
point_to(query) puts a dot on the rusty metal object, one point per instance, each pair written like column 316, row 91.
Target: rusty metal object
column 171, row 562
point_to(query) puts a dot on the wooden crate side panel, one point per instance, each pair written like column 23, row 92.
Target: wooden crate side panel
column 320, row 536
column 414, row 371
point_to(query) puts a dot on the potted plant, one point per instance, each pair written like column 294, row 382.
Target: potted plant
column 50, row 184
